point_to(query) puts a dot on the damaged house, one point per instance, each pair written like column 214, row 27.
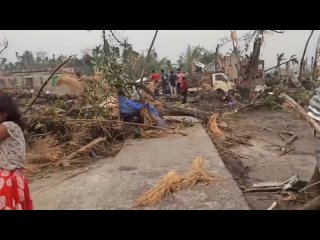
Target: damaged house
column 28, row 80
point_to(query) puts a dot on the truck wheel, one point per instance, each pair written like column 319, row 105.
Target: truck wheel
column 231, row 92
column 220, row 92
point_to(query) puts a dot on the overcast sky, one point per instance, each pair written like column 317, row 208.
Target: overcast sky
column 169, row 43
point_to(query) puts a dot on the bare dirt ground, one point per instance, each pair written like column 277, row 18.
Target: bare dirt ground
column 262, row 161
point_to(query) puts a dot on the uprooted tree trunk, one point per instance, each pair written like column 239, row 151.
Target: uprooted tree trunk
column 254, row 58
column 189, row 112
column 314, row 184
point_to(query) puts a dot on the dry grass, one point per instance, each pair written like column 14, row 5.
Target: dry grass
column 148, row 119
column 169, row 184
column 173, row 182
column 72, row 83
column 45, row 150
column 198, row 174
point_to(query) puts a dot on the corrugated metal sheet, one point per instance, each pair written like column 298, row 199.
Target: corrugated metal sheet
column 314, row 106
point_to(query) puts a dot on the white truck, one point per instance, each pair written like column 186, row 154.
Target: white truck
column 220, row 82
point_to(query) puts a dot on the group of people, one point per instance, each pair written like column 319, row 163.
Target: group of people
column 177, row 81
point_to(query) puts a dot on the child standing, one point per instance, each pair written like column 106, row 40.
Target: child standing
column 14, row 187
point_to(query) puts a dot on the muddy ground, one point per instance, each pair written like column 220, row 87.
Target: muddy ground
column 262, row 161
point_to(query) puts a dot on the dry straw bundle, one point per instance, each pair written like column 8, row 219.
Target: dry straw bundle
column 169, row 184
column 45, row 150
column 198, row 174
column 173, row 182
column 44, row 154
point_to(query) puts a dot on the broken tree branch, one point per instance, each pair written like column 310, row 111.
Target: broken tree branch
column 105, row 120
column 273, row 206
column 48, row 96
column 301, row 111
column 277, row 31
column 5, row 45
column 308, row 186
column 125, row 45
column 290, row 60
column 148, row 55
column 143, row 87
column 266, row 189
column 84, row 148
column 37, row 94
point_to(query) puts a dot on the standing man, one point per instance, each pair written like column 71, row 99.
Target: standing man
column 184, row 89
column 179, row 79
column 164, row 78
column 173, row 83
column 155, row 77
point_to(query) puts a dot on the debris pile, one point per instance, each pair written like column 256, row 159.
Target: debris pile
column 65, row 133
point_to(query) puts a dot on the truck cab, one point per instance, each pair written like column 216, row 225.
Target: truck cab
column 222, row 83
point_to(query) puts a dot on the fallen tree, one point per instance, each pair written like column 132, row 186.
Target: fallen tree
column 47, row 96
column 189, row 112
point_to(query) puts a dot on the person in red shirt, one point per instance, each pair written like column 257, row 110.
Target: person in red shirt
column 184, row 89
column 155, row 77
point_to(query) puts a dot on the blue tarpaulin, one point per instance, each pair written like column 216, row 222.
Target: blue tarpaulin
column 128, row 106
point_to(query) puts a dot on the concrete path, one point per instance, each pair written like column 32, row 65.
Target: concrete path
column 115, row 183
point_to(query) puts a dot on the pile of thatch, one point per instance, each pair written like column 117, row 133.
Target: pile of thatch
column 75, row 86
column 173, row 182
column 170, row 183
column 45, row 150
column 198, row 174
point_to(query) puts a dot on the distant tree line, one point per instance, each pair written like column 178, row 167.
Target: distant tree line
column 131, row 59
